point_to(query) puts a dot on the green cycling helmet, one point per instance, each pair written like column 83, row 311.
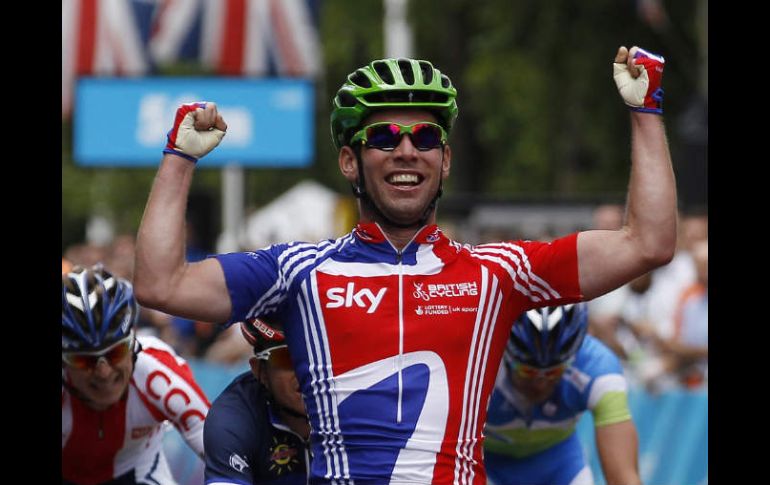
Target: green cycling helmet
column 391, row 83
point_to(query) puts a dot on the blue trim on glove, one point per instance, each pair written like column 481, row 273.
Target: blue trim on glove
column 180, row 154
column 657, row 111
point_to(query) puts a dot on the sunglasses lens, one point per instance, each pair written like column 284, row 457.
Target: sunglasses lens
column 116, row 355
column 528, row 372
column 81, row 362
column 425, row 136
column 383, row 136
column 113, row 356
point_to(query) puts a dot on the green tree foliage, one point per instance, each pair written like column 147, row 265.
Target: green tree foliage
column 539, row 112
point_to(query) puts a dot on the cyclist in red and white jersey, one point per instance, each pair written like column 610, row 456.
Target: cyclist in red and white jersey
column 396, row 331
column 119, row 391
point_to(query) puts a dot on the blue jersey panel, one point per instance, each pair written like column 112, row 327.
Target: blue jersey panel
column 243, row 446
column 557, row 465
column 379, row 404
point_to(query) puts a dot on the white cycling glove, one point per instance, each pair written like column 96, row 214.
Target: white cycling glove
column 643, row 92
column 187, row 141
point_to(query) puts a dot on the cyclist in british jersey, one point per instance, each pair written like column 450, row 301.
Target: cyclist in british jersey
column 119, row 390
column 552, row 372
column 256, row 431
column 395, row 330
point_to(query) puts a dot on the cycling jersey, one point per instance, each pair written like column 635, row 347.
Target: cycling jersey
column 396, row 351
column 246, row 443
column 123, row 444
column 521, row 438
column 561, row 464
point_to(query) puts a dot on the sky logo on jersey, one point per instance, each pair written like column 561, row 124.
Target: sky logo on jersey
column 348, row 296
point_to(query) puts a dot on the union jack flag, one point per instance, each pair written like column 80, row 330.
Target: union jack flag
column 231, row 37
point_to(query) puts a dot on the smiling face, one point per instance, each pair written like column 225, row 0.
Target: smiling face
column 401, row 182
column 103, row 385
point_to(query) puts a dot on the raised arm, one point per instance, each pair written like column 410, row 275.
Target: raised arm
column 163, row 280
column 608, row 259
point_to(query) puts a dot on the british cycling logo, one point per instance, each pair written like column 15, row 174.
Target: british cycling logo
column 446, row 290
column 238, row 463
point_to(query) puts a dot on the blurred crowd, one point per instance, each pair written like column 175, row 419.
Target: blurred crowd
column 657, row 324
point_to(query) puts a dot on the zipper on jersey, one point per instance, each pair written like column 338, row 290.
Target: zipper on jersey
column 400, row 359
column 399, row 256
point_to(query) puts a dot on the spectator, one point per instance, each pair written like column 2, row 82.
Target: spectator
column 687, row 350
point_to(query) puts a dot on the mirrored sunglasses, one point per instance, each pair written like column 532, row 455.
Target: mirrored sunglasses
column 530, row 372
column 113, row 355
column 387, row 135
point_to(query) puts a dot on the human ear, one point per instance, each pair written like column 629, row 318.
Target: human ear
column 348, row 164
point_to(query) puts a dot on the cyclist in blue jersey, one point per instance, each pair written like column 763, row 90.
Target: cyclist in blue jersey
column 551, row 373
column 256, row 431
column 395, row 330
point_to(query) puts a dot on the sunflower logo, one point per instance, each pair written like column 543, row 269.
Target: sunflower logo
column 283, row 455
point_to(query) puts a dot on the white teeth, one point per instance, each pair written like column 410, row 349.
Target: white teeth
column 404, row 178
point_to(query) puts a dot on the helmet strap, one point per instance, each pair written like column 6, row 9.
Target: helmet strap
column 359, row 190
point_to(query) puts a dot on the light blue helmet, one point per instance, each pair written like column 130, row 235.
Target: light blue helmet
column 547, row 336
column 97, row 309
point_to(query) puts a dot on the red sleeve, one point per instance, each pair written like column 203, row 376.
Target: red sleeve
column 551, row 271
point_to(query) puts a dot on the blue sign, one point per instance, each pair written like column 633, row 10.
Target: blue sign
column 123, row 122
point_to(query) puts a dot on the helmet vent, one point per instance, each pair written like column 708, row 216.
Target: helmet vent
column 360, row 79
column 551, row 345
column 427, row 72
column 72, row 288
column 97, row 309
column 406, row 71
column 400, row 96
column 520, row 348
column 384, row 72
column 346, row 100
column 568, row 347
column 445, row 82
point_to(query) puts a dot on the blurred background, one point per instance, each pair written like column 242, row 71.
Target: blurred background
column 540, row 149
